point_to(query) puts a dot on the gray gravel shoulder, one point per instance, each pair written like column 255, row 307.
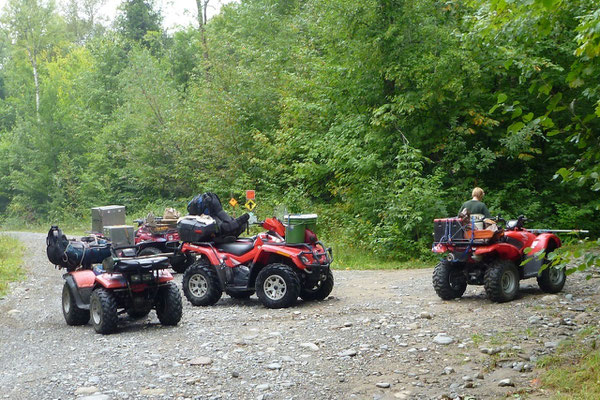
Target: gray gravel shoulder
column 381, row 335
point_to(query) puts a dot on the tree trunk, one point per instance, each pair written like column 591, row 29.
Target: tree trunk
column 202, row 6
column 33, row 60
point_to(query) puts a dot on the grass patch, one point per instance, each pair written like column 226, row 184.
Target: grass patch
column 344, row 258
column 11, row 258
column 573, row 372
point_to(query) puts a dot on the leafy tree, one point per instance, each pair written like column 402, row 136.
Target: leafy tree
column 31, row 25
column 137, row 19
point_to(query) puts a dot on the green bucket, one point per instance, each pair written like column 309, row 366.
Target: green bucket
column 296, row 224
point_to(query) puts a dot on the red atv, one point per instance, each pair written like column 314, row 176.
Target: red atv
column 494, row 257
column 153, row 239
column 277, row 271
column 126, row 284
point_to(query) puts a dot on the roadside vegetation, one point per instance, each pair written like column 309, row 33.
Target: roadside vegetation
column 378, row 115
column 573, row 372
column 11, row 258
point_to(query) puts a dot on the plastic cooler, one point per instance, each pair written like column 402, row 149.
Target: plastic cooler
column 296, row 224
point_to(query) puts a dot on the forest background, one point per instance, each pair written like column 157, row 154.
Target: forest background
column 379, row 115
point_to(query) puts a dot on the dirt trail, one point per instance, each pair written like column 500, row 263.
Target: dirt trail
column 374, row 338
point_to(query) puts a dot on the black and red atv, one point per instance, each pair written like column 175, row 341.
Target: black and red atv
column 495, row 257
column 279, row 272
column 132, row 285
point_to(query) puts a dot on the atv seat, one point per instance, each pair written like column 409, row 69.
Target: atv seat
column 237, row 248
column 134, row 265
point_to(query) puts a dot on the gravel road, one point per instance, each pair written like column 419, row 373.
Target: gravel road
column 381, row 335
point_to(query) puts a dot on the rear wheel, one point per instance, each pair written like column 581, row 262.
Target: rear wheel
column 320, row 290
column 449, row 280
column 277, row 286
column 501, row 281
column 201, row 284
column 73, row 315
column 168, row 304
column 103, row 310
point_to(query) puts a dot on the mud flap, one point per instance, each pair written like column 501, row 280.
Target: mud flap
column 532, row 267
column 81, row 296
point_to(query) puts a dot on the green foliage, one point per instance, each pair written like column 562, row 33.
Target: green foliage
column 379, row 115
column 11, row 257
column 572, row 372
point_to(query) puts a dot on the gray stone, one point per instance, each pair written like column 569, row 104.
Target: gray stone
column 309, row 346
column 201, row 361
column 448, row 371
column 263, row 386
column 347, row 353
column 550, row 298
column 443, row 339
column 534, row 319
column 425, row 315
column 505, row 383
column 274, row 366
column 383, row 385
column 86, row 390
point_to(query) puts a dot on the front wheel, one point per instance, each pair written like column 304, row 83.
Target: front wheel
column 168, row 304
column 73, row 315
column 201, row 284
column 501, row 281
column 277, row 286
column 449, row 280
column 320, row 290
column 103, row 309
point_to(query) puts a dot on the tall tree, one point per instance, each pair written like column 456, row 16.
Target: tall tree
column 138, row 17
column 30, row 25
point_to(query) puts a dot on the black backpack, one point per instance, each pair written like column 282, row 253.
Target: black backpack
column 56, row 244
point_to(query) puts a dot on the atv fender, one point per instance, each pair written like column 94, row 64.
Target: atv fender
column 535, row 256
column 80, row 285
column 111, row 281
column 267, row 250
column 207, row 251
column 503, row 250
column 543, row 241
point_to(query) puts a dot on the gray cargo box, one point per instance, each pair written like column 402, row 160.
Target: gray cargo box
column 107, row 216
column 120, row 235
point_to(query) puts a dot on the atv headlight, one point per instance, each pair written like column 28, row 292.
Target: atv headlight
column 148, row 277
column 136, row 278
column 304, row 259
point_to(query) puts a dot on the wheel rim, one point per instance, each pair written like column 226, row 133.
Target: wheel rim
column 66, row 301
column 198, row 285
column 96, row 312
column 555, row 275
column 275, row 287
column 508, row 282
